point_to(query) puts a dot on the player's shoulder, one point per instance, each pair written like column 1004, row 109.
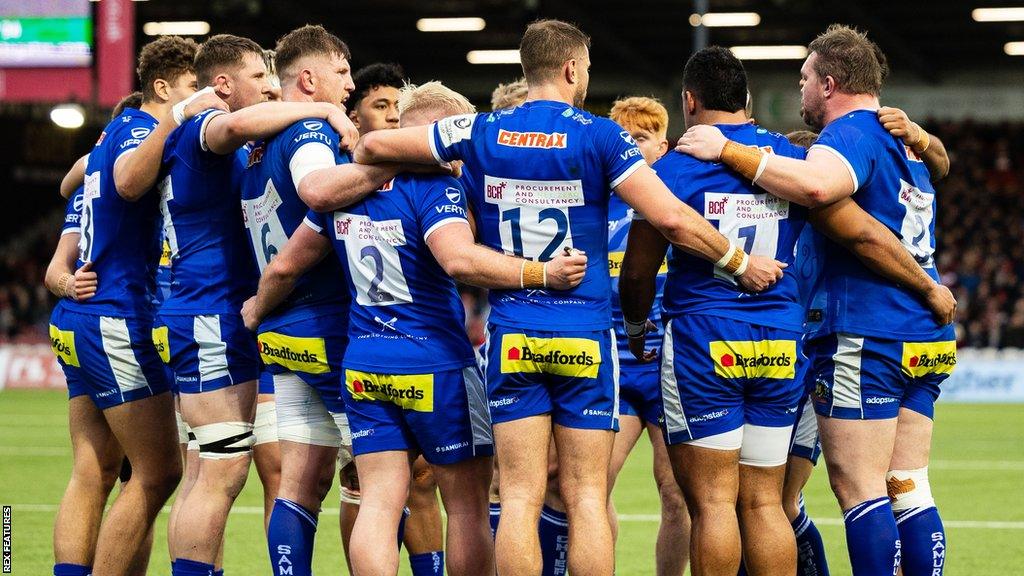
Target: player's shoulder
column 128, row 129
column 674, row 162
column 309, row 130
column 859, row 123
column 779, row 144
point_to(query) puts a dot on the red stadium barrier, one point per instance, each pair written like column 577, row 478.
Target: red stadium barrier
column 29, row 366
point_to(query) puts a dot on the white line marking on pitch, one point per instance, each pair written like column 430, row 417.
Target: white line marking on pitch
column 258, row 510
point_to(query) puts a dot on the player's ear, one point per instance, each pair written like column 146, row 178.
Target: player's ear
column 222, row 85
column 307, row 81
column 689, row 102
column 162, row 89
column 569, row 70
column 662, row 147
column 829, row 86
column 354, row 118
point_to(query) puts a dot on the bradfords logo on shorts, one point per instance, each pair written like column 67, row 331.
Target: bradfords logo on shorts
column 748, row 359
column 925, row 358
column 408, row 391
column 531, row 139
column 63, row 344
column 297, row 354
column 576, row 357
column 162, row 343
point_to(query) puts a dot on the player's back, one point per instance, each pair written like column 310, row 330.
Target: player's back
column 212, row 270
column 539, row 178
column 272, row 210
column 893, row 185
column 762, row 224
column 406, row 314
column 120, row 238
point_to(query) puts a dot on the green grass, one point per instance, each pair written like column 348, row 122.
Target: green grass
column 977, row 476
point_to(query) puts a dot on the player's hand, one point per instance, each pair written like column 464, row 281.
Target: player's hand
column 252, row 322
column 343, row 125
column 942, row 304
column 899, row 125
column 638, row 348
column 761, row 273
column 204, row 101
column 703, row 142
column 566, row 271
column 86, row 282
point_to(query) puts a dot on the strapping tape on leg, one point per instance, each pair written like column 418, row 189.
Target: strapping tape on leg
column 265, row 426
column 909, row 489
column 182, row 428
column 223, row 440
column 349, row 496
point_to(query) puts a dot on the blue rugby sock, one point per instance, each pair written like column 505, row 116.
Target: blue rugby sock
column 427, row 564
column 401, row 527
column 290, row 538
column 554, row 542
column 186, row 567
column 872, row 538
column 810, row 550
column 71, row 570
column 924, row 541
column 495, row 510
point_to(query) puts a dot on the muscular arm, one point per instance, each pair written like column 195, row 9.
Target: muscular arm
column 226, row 132
column 301, row 252
column 466, row 261
column 936, row 159
column 62, row 263
column 401, row 145
column 645, row 253
column 135, row 171
column 334, row 188
column 74, row 178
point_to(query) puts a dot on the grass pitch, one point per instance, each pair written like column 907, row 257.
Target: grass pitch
column 977, row 477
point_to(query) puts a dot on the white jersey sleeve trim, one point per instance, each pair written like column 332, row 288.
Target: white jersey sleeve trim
column 853, row 174
column 309, row 158
column 627, row 173
column 313, row 225
column 202, row 128
column 75, row 230
column 433, row 144
column 438, row 225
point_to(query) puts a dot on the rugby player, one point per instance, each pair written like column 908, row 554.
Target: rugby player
column 302, row 341
column 646, row 120
column 509, row 95
column 411, row 382
column 213, row 355
column 880, row 357
column 538, row 178
column 374, row 103
column 104, row 343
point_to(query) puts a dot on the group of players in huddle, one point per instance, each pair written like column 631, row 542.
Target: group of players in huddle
column 734, row 297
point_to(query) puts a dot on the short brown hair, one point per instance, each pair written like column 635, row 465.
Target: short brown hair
column 133, row 100
column 846, row 54
column 640, row 112
column 509, row 95
column 166, row 59
column 220, row 51
column 309, row 40
column 546, row 45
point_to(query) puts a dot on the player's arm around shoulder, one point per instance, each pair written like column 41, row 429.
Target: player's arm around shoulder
column 410, row 144
column 928, row 146
column 645, row 252
column 224, row 133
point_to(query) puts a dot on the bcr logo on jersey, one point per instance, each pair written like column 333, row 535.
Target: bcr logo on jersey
column 539, row 193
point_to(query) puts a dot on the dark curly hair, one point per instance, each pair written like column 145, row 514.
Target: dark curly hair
column 374, row 76
column 166, row 58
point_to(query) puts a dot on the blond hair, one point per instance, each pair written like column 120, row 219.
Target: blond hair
column 640, row 112
column 432, row 95
column 509, row 95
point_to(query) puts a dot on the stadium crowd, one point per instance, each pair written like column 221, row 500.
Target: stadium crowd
column 981, row 250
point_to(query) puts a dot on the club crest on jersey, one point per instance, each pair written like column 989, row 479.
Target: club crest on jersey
column 63, row 344
column 574, row 357
column 532, row 139
column 140, row 132
column 911, row 155
column 453, row 194
column 774, row 359
column 408, row 391
column 312, row 125
column 256, row 154
column 294, row 353
column 926, row 358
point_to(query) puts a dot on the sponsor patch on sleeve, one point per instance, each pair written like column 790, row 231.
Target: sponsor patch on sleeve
column 455, row 129
column 307, row 355
column 407, row 391
column 573, row 357
column 63, row 344
column 926, row 358
column 748, row 359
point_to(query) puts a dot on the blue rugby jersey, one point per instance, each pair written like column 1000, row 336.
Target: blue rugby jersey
column 272, row 210
column 538, row 181
column 892, row 184
column 120, row 238
column 212, row 270
column 620, row 216
column 406, row 316
column 73, row 213
column 760, row 223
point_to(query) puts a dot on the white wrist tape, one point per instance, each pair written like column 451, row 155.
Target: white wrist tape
column 178, row 110
column 635, row 329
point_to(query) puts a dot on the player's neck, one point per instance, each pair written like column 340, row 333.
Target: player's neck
column 842, row 104
column 549, row 92
column 293, row 94
column 156, row 109
column 712, row 117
